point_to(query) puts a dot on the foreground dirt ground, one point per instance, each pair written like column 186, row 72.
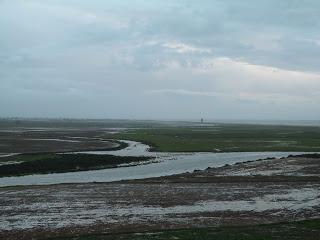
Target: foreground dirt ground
column 273, row 190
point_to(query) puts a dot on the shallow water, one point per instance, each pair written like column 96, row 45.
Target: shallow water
column 134, row 149
column 7, row 155
column 167, row 164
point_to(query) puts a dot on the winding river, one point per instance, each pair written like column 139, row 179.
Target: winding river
column 166, row 164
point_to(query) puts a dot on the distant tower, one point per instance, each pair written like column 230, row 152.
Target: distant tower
column 201, row 120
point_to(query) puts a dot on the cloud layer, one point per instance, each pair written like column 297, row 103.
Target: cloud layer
column 160, row 59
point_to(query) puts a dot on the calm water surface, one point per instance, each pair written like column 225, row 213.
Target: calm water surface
column 166, row 164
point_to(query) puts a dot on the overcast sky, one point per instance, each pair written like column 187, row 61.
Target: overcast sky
column 160, row 59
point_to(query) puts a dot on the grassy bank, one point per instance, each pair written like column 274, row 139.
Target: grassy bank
column 227, row 138
column 58, row 163
column 308, row 230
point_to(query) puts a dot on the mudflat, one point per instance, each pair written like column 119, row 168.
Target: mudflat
column 39, row 140
column 256, row 192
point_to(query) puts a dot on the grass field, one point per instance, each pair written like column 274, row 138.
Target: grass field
column 192, row 137
column 227, row 138
column 308, row 230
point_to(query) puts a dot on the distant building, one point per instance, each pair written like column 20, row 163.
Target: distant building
column 201, row 120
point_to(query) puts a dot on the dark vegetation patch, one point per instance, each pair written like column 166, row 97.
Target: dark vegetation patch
column 58, row 163
column 308, row 230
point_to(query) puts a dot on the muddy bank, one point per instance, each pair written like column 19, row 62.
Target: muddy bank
column 295, row 168
column 299, row 230
column 166, row 203
column 82, row 209
column 55, row 140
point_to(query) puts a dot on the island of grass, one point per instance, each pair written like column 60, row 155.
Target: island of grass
column 39, row 163
column 226, row 138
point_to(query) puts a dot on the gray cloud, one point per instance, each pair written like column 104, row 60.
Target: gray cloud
column 160, row 59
